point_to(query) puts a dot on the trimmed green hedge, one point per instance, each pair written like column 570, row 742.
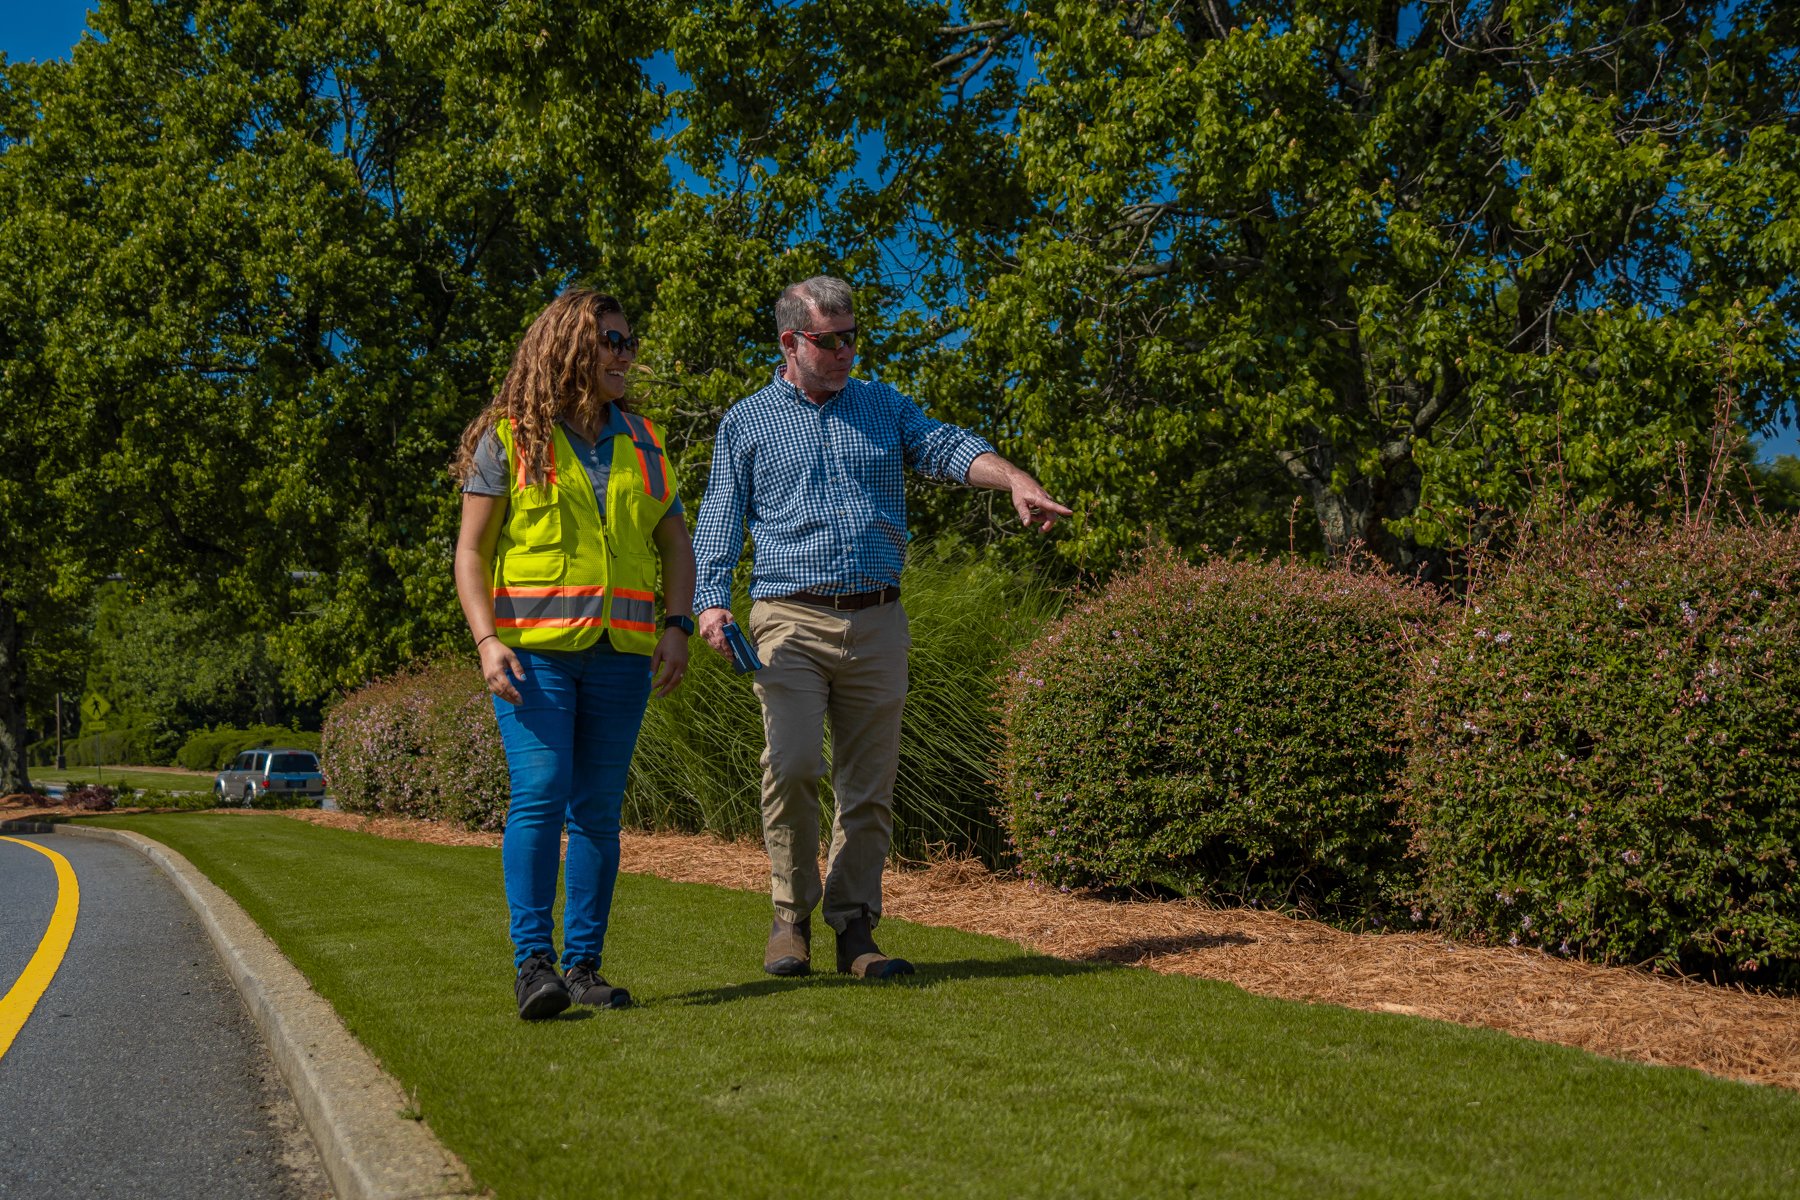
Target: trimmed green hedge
column 1607, row 760
column 112, row 748
column 1229, row 730
column 207, row 750
column 1226, row 731
column 211, row 749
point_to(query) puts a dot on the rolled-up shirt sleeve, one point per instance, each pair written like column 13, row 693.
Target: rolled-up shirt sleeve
column 935, row 448
column 719, row 532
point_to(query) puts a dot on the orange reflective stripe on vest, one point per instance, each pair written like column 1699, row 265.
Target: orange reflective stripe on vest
column 524, row 479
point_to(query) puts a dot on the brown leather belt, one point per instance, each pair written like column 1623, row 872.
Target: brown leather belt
column 850, row 603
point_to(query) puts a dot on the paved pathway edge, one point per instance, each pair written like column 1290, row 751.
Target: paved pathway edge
column 350, row 1105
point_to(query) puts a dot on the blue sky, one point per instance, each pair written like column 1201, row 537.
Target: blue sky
column 50, row 28
column 40, row 30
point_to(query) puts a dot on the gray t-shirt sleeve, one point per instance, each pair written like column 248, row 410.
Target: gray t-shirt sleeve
column 489, row 478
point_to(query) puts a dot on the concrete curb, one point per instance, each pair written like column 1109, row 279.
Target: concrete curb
column 351, row 1106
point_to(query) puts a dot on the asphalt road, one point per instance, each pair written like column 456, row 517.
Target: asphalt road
column 138, row 1074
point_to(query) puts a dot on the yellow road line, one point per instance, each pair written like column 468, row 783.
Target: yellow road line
column 17, row 1004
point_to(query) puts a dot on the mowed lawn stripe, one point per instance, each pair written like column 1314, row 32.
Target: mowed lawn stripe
column 994, row 1072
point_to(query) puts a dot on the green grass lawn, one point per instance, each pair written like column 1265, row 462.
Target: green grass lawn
column 124, row 777
column 993, row 1072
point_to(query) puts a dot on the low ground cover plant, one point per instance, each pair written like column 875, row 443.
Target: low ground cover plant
column 1606, row 758
column 1230, row 730
column 93, row 797
column 164, row 800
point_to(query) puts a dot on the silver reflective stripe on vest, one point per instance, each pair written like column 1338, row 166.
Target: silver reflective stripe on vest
column 553, row 608
column 634, row 612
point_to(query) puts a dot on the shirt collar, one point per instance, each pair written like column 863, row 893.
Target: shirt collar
column 613, row 426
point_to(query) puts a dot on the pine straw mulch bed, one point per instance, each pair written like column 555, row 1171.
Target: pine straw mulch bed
column 1620, row 1012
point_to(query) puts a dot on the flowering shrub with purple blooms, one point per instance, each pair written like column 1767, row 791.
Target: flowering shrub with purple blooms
column 1606, row 758
column 1231, row 730
column 468, row 760
column 422, row 743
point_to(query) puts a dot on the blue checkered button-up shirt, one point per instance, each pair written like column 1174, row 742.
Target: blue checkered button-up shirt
column 820, row 488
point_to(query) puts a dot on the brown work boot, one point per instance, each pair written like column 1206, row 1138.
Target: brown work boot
column 790, row 947
column 858, row 955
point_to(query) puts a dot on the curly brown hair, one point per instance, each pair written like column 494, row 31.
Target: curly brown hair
column 554, row 371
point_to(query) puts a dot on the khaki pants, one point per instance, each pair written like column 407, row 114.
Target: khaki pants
column 850, row 667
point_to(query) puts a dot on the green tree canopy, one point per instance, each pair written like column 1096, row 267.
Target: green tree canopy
column 1424, row 258
column 1405, row 264
column 262, row 262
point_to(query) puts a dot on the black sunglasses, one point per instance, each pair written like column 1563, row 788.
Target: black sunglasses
column 831, row 340
column 618, row 342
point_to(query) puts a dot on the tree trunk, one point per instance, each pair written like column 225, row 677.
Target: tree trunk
column 13, row 774
column 1354, row 518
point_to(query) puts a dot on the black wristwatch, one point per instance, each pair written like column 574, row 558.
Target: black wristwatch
column 685, row 624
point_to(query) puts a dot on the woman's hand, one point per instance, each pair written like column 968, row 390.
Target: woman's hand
column 500, row 666
column 669, row 662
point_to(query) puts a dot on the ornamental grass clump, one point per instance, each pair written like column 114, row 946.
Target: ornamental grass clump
column 1229, row 730
column 698, row 762
column 1606, row 754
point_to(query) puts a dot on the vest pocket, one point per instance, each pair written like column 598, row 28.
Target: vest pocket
column 533, row 568
column 537, row 525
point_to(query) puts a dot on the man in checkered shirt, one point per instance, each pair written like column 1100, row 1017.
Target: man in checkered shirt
column 812, row 466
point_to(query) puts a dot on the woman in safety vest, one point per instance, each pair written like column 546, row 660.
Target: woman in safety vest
column 568, row 513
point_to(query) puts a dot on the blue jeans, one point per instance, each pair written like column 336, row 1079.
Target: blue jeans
column 568, row 751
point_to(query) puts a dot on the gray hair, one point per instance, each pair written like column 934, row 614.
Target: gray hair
column 830, row 296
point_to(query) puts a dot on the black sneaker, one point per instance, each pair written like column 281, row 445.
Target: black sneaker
column 541, row 991
column 588, row 987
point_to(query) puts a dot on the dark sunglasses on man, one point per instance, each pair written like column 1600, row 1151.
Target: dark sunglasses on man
column 619, row 343
column 831, row 340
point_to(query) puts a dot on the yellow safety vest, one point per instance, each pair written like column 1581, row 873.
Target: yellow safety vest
column 563, row 573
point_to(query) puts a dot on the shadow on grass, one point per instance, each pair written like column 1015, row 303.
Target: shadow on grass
column 574, row 1012
column 930, row 974
column 1135, row 950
